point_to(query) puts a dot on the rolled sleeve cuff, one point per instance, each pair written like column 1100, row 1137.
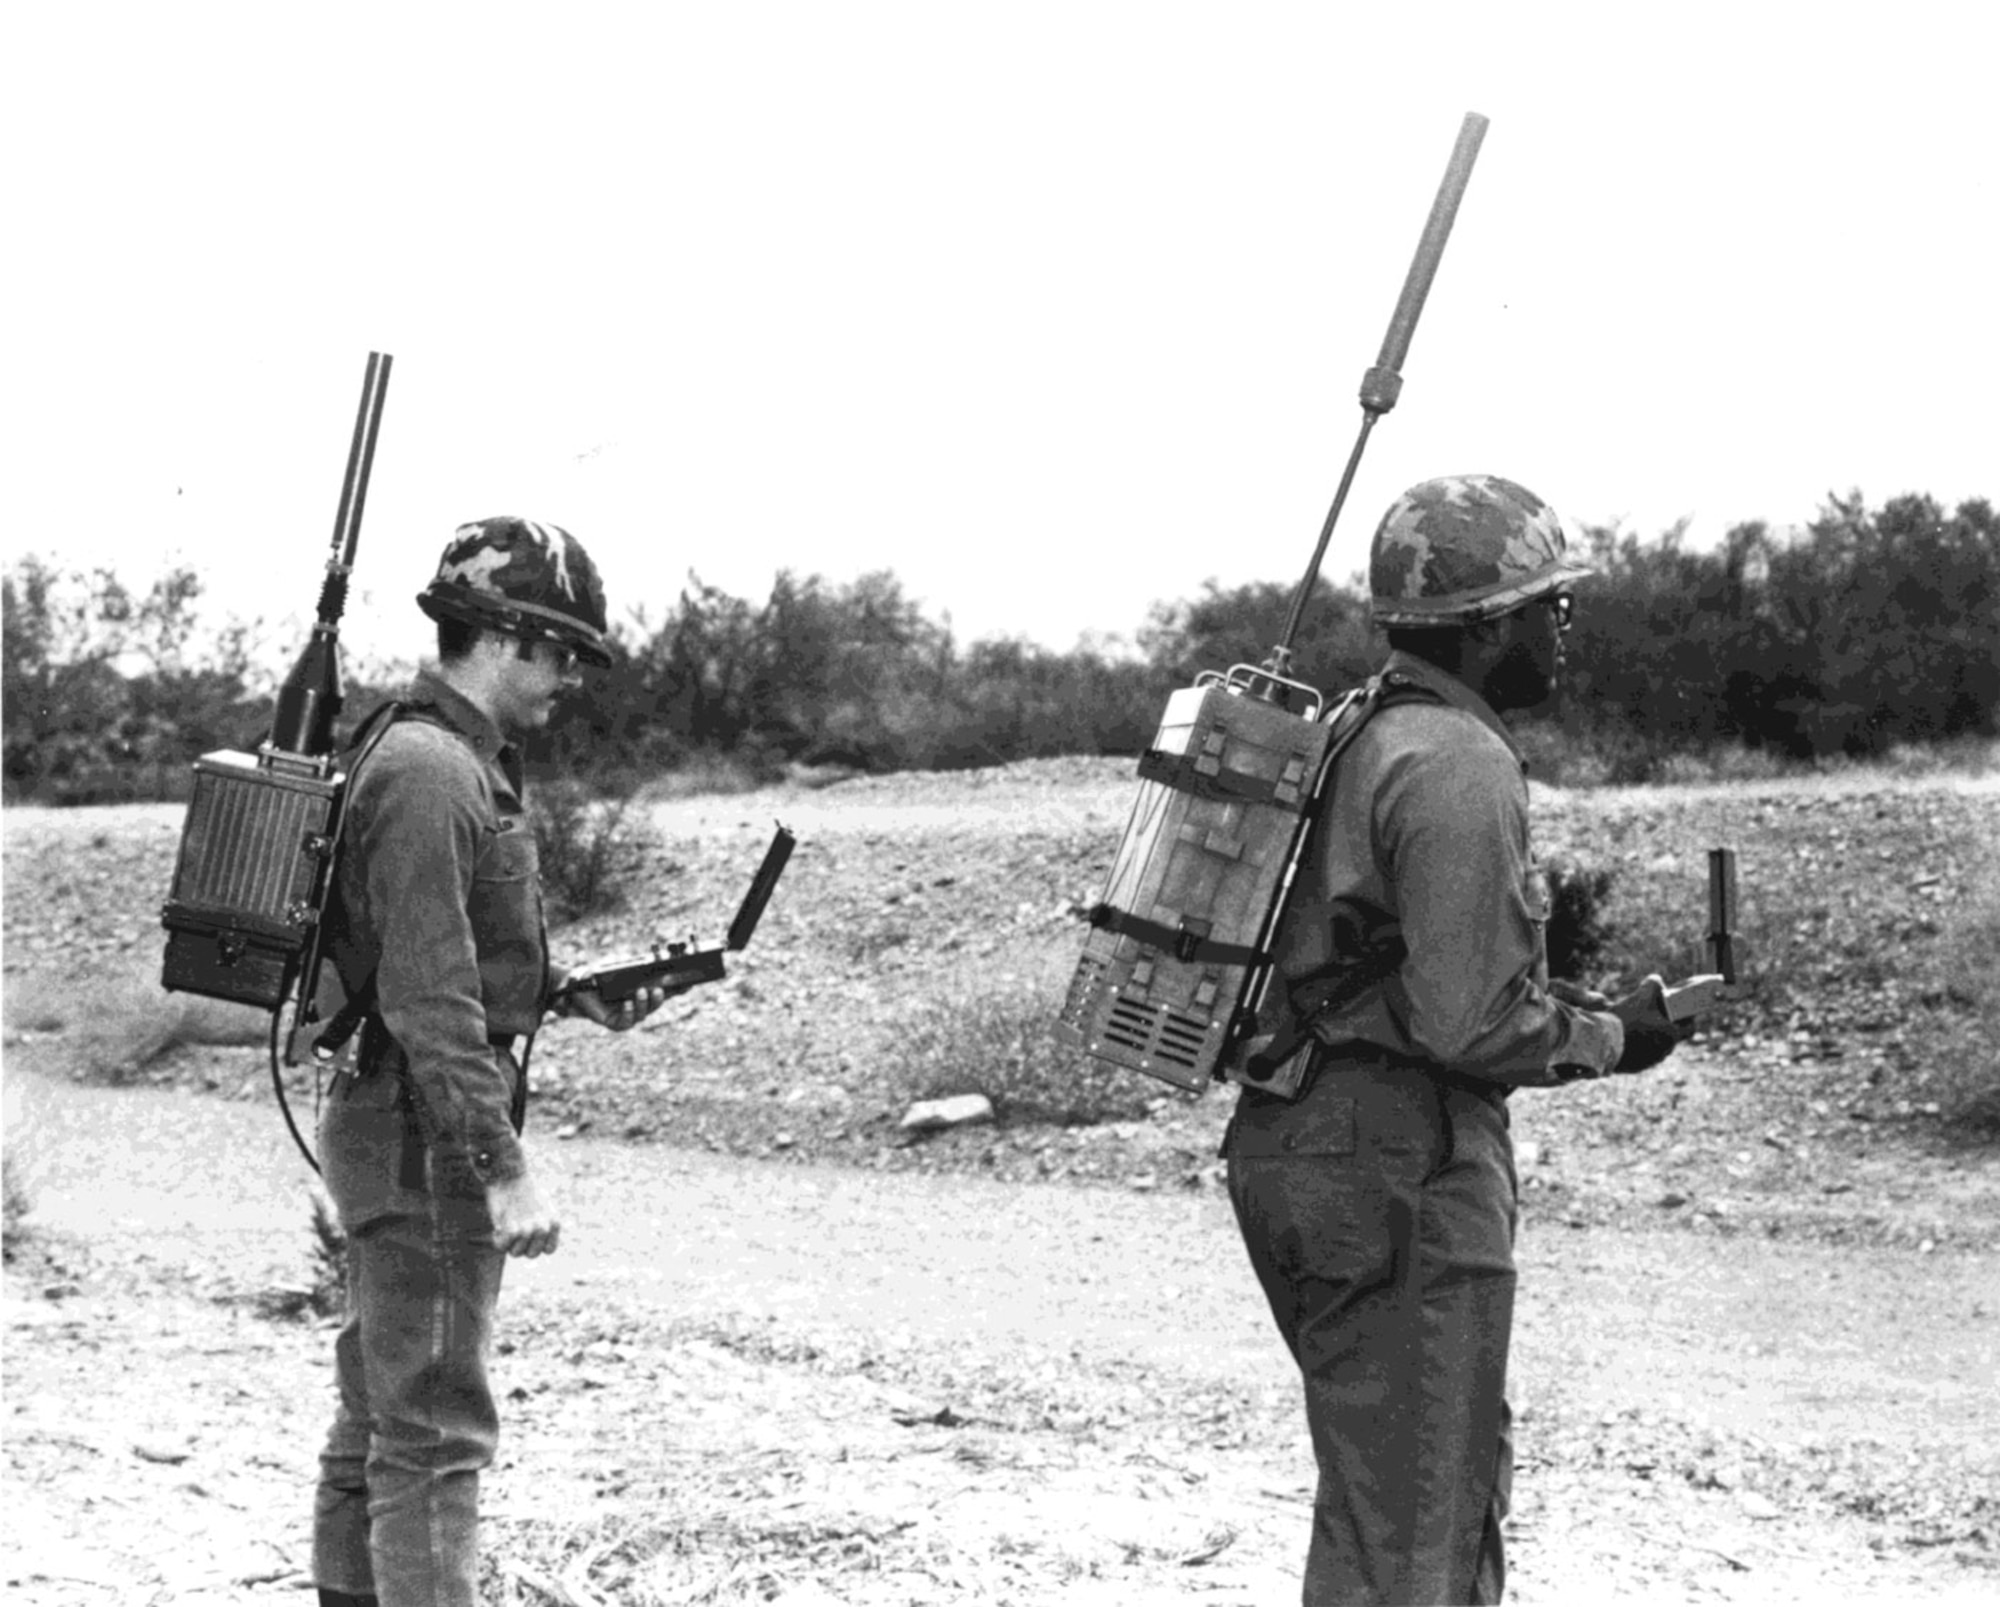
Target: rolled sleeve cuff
column 480, row 1157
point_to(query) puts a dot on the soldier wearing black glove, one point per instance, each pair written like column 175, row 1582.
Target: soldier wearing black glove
column 1650, row 1033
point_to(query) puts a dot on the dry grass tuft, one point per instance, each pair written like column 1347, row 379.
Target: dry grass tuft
column 19, row 1163
column 329, row 1259
column 119, row 1024
column 16, row 1202
column 1970, row 951
column 991, row 1035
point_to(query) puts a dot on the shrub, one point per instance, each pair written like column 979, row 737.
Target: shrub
column 17, row 1157
column 325, row 1295
column 997, row 1043
column 329, row 1260
column 1600, row 756
column 1968, row 1064
column 1580, row 930
column 585, row 833
column 15, row 1205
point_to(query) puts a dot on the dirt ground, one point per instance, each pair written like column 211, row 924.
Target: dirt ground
column 783, row 1356
column 811, row 1384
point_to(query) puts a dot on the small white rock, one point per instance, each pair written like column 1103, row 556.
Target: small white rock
column 961, row 1110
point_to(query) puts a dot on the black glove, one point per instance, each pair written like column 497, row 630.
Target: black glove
column 1650, row 1033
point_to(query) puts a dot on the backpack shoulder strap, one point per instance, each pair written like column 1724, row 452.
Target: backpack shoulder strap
column 359, row 1004
column 1350, row 715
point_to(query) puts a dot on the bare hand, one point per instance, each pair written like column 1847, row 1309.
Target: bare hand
column 1577, row 995
column 522, row 1223
column 622, row 1017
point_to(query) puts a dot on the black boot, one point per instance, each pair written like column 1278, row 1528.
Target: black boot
column 340, row 1598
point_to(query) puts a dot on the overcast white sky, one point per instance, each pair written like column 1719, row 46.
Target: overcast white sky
column 1054, row 310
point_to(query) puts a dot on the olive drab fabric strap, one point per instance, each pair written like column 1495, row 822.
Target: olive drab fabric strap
column 1187, row 772
column 345, row 1021
column 1187, row 940
column 357, row 1012
column 1329, row 987
column 306, row 1001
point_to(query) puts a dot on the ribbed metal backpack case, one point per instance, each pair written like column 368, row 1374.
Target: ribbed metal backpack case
column 250, row 880
column 258, row 844
column 1179, row 951
column 1194, row 892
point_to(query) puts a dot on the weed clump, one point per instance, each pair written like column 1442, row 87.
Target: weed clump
column 15, row 1206
column 1580, row 930
column 329, row 1260
column 586, row 834
column 997, row 1042
column 1967, row 1062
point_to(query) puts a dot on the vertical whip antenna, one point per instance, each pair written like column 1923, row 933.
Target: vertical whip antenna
column 354, row 489
column 310, row 699
column 1383, row 383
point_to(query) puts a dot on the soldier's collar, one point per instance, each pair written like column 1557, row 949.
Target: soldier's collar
column 459, row 712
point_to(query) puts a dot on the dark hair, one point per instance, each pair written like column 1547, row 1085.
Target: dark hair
column 455, row 639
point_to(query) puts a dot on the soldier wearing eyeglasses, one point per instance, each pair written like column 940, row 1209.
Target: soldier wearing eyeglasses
column 1379, row 1205
column 440, row 960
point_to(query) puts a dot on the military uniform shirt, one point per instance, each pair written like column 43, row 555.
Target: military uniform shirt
column 1423, row 855
column 440, row 898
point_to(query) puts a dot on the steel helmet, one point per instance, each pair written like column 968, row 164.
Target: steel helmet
column 1463, row 548
column 522, row 578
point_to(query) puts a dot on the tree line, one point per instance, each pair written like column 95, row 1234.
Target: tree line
column 1868, row 628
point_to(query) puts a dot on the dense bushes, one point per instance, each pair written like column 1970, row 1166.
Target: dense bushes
column 851, row 675
column 1865, row 631
column 105, row 698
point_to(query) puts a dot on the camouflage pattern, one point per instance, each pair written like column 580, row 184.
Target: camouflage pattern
column 1465, row 547
column 523, row 578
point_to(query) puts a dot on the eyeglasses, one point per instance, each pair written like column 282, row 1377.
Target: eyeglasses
column 1563, row 606
column 562, row 657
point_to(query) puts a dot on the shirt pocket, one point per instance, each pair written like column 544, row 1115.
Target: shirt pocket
column 507, row 853
column 506, row 904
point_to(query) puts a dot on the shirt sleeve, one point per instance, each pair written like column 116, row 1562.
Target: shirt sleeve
column 1473, row 988
column 421, row 831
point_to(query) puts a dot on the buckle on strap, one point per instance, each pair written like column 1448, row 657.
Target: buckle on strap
column 1187, row 940
column 1204, row 777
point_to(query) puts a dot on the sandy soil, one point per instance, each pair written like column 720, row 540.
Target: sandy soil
column 783, row 1357
column 1027, row 1394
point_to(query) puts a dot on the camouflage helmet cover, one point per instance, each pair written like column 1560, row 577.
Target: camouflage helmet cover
column 522, row 578
column 1463, row 548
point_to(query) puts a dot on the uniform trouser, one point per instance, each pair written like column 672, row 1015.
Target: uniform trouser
column 1379, row 1214
column 396, row 1514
